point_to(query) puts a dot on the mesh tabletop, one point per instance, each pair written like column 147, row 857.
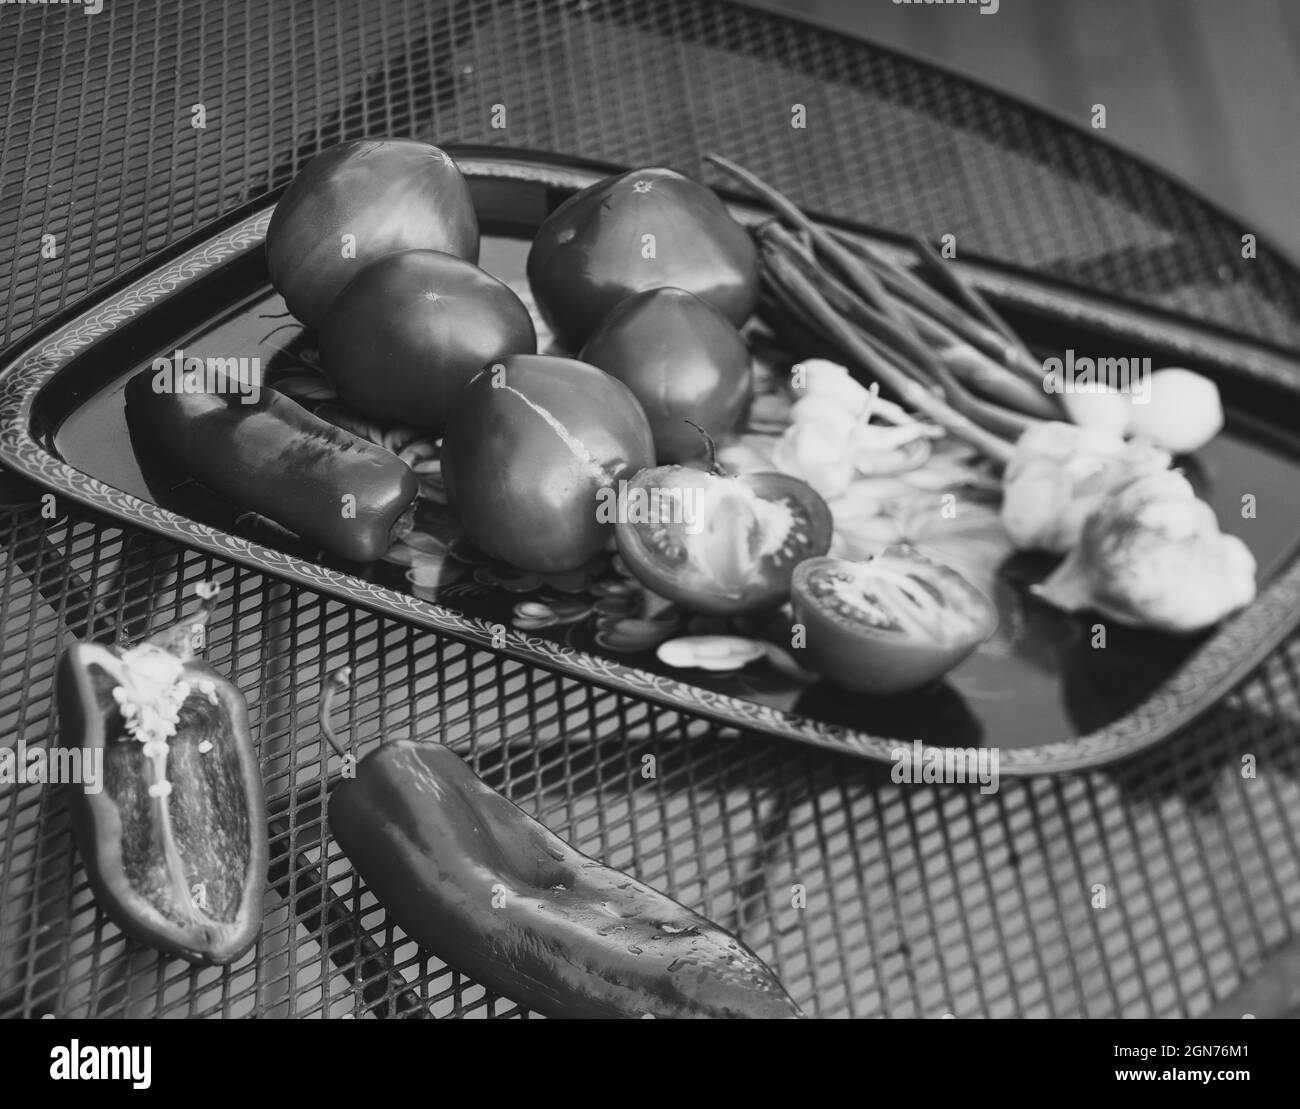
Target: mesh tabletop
column 1152, row 888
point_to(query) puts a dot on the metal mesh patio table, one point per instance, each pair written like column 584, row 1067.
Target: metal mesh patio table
column 919, row 901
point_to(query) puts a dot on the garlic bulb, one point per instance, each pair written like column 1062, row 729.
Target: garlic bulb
column 1059, row 474
column 1151, row 555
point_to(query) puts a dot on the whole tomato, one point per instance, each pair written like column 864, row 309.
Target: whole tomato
column 682, row 359
column 356, row 202
column 535, row 441
column 407, row 333
column 645, row 229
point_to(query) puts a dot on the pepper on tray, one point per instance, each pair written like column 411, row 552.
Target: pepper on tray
column 174, row 836
column 478, row 882
column 269, row 454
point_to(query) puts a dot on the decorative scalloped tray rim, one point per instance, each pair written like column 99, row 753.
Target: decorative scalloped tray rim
column 1211, row 672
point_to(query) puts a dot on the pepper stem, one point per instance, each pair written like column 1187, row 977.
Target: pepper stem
column 188, row 636
column 338, row 681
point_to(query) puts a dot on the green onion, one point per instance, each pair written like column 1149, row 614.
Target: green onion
column 859, row 276
column 962, row 291
column 953, row 364
column 802, row 294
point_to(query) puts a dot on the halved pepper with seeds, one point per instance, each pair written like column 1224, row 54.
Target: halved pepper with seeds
column 174, row 841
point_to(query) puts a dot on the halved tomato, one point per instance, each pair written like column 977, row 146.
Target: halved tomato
column 890, row 623
column 719, row 544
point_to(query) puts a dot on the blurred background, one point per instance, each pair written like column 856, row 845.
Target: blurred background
column 1208, row 90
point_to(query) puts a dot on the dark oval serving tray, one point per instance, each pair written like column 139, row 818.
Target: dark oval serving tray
column 1045, row 697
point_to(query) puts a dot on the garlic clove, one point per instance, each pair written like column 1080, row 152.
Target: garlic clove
column 1180, row 411
column 1105, row 410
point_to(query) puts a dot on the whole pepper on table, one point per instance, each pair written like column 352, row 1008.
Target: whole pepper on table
column 173, row 837
column 269, row 454
column 492, row 892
